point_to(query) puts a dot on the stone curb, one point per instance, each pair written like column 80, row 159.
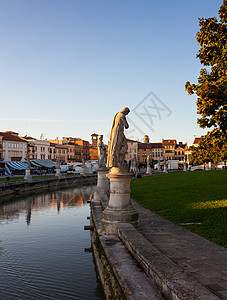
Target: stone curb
column 134, row 283
column 174, row 282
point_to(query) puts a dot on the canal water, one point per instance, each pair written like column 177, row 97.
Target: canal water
column 42, row 247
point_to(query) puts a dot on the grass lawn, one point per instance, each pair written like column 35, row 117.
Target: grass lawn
column 188, row 197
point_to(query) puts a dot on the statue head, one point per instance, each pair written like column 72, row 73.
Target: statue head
column 125, row 110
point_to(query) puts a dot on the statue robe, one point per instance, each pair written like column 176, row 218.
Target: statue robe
column 118, row 145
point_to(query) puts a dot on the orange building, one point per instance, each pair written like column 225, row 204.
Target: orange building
column 144, row 150
column 85, row 153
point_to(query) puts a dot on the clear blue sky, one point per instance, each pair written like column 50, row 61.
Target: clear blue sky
column 67, row 66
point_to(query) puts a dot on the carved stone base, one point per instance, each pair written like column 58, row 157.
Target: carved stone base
column 112, row 217
column 28, row 175
column 119, row 209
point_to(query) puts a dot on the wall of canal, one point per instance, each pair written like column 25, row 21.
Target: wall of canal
column 18, row 187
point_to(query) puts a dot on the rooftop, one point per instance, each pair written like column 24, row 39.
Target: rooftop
column 11, row 136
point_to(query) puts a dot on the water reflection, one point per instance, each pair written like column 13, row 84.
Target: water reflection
column 55, row 200
column 42, row 245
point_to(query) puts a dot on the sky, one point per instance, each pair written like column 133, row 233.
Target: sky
column 67, row 66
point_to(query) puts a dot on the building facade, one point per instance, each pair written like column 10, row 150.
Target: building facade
column 61, row 153
column 85, row 153
column 157, row 151
column 14, row 148
column 1, row 147
column 71, row 152
column 169, row 149
column 38, row 149
column 52, row 152
column 144, row 150
column 132, row 150
column 179, row 152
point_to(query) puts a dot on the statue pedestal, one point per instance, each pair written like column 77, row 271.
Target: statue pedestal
column 28, row 175
column 103, row 185
column 58, row 172
column 148, row 170
column 82, row 173
column 119, row 209
column 165, row 170
column 185, row 167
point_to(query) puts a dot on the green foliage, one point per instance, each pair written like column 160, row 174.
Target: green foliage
column 182, row 197
column 211, row 89
column 211, row 148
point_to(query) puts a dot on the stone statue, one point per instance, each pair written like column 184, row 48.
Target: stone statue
column 101, row 152
column 134, row 162
column 58, row 163
column 28, row 162
column 118, row 145
column 148, row 159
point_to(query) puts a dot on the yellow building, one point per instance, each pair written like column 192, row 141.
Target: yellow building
column 169, row 149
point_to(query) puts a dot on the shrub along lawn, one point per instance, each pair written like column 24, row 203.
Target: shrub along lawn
column 188, row 197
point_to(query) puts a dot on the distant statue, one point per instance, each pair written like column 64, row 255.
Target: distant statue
column 159, row 165
column 83, row 162
column 148, row 159
column 134, row 162
column 118, row 147
column 101, row 152
column 28, row 162
column 58, row 163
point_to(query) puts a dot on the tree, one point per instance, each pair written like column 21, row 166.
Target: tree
column 207, row 151
column 211, row 89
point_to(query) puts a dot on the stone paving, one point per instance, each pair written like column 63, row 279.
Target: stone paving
column 201, row 259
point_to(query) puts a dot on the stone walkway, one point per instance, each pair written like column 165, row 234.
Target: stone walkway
column 203, row 260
